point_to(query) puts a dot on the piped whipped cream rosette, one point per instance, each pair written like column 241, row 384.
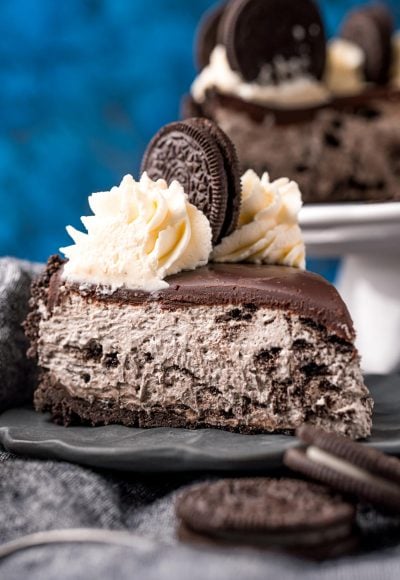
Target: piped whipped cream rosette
column 298, row 90
column 140, row 233
column 268, row 230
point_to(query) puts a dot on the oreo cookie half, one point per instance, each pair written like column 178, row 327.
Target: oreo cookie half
column 371, row 28
column 196, row 153
column 231, row 166
column 271, row 513
column 347, row 467
column 207, row 35
column 274, row 40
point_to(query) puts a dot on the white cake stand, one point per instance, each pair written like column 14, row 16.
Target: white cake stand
column 367, row 238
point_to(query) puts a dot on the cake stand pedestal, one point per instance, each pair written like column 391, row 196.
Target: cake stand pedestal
column 367, row 239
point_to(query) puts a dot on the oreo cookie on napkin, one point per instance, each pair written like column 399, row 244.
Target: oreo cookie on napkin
column 270, row 41
column 371, row 28
column 201, row 157
column 281, row 514
column 348, row 467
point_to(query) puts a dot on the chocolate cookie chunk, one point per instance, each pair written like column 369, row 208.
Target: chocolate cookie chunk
column 371, row 28
column 348, row 467
column 207, row 35
column 190, row 153
column 272, row 41
column 231, row 165
column 278, row 513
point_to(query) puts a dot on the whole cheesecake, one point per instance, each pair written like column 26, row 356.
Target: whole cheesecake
column 241, row 347
column 325, row 114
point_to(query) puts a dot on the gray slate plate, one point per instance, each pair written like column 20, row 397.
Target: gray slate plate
column 25, row 432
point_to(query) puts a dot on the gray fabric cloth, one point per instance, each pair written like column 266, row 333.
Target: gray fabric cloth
column 16, row 372
column 47, row 495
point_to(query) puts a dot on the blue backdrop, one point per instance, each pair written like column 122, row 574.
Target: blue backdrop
column 84, row 86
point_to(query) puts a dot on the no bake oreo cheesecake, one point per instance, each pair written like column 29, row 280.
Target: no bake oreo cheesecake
column 168, row 313
column 268, row 75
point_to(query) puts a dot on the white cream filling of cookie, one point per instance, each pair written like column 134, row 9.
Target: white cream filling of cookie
column 348, row 469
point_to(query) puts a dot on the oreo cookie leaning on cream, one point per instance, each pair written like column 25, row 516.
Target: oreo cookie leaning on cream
column 281, row 514
column 348, row 467
column 232, row 171
column 198, row 158
column 147, row 325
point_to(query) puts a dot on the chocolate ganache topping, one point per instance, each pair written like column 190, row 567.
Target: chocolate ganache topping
column 279, row 287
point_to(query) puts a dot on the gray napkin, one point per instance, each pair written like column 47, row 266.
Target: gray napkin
column 16, row 372
column 47, row 495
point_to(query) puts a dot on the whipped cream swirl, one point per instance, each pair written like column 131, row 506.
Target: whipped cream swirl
column 344, row 73
column 297, row 90
column 140, row 233
column 268, row 230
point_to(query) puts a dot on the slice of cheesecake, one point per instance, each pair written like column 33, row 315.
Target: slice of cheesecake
column 234, row 346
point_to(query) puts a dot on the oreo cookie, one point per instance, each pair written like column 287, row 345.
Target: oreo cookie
column 348, row 467
column 272, row 41
column 287, row 514
column 207, row 35
column 232, row 170
column 371, row 28
column 201, row 157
